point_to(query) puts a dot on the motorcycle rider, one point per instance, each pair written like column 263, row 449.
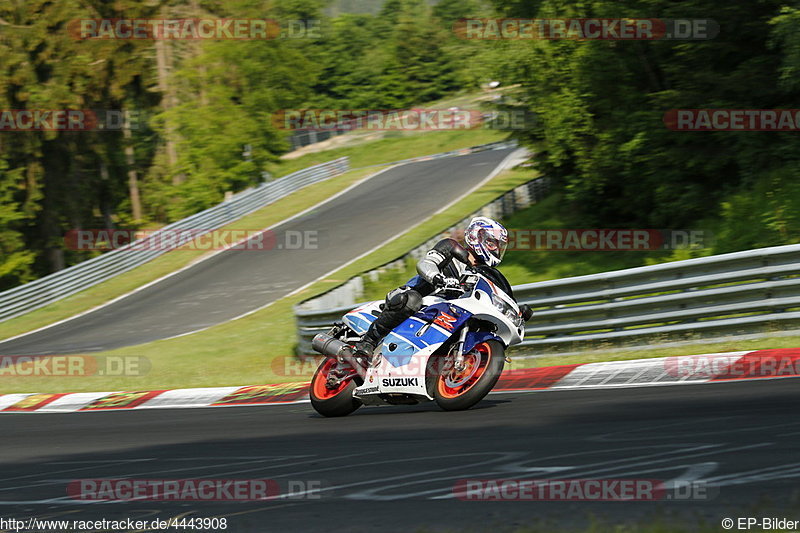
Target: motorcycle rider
column 486, row 241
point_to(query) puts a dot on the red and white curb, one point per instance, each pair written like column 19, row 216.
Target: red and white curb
column 690, row 369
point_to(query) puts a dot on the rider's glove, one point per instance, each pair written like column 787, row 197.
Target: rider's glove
column 440, row 280
column 452, row 283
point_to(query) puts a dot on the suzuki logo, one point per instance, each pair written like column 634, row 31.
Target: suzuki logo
column 399, row 382
column 446, row 321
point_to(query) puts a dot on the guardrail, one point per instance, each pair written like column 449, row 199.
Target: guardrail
column 498, row 145
column 749, row 291
column 76, row 278
column 710, row 296
column 518, row 198
column 58, row 285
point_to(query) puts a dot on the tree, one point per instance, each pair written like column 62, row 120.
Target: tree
column 600, row 106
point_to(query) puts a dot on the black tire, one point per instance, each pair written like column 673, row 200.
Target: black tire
column 449, row 399
column 341, row 403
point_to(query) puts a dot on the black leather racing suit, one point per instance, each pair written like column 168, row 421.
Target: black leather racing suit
column 447, row 259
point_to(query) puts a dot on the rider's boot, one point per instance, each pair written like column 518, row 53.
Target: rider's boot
column 400, row 304
column 366, row 346
column 380, row 327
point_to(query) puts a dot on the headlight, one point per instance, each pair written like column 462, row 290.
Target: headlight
column 507, row 310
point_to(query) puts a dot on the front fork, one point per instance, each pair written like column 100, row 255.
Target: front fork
column 458, row 360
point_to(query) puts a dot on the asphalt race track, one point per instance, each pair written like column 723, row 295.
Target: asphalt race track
column 394, row 468
column 237, row 281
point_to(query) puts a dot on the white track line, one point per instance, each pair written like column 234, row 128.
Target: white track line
column 496, row 171
column 202, row 258
column 499, row 168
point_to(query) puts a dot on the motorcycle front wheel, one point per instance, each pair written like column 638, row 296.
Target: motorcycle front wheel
column 458, row 389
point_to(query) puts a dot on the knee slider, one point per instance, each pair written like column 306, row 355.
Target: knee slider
column 408, row 301
column 396, row 300
column 413, row 301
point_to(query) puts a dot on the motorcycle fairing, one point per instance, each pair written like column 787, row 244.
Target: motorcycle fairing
column 383, row 378
column 427, row 329
column 474, row 338
column 360, row 318
column 486, row 286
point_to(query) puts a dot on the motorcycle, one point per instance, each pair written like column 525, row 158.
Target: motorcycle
column 451, row 352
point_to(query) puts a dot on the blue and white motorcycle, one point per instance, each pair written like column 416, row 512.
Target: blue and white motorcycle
column 452, row 351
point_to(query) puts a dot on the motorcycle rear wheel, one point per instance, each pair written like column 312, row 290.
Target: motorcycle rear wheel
column 329, row 402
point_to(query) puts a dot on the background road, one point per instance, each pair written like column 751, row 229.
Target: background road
column 393, row 468
column 237, row 281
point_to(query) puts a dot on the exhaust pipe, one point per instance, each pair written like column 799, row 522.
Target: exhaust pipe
column 327, row 345
column 331, row 347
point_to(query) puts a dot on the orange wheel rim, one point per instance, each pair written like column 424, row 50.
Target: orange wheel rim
column 320, row 387
column 455, row 383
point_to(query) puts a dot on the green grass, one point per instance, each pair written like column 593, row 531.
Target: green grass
column 244, row 351
column 525, row 266
column 376, row 290
column 169, row 262
column 252, row 350
column 369, row 153
column 396, row 148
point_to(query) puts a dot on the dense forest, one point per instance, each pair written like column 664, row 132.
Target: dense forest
column 602, row 136
column 196, row 104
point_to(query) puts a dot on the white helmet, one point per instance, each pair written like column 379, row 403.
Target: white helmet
column 487, row 239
